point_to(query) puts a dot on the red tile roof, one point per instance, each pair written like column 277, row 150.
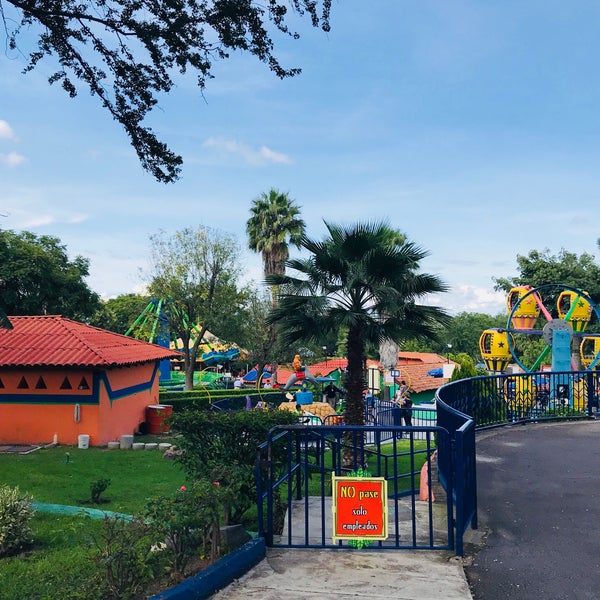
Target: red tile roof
column 414, row 366
column 55, row 341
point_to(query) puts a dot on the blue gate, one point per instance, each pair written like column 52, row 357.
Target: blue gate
column 294, row 469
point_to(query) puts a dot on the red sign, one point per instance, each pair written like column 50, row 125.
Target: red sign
column 359, row 508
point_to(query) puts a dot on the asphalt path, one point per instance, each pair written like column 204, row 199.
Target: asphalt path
column 539, row 513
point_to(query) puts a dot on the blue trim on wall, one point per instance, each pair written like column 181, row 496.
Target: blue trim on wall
column 87, row 399
column 128, row 391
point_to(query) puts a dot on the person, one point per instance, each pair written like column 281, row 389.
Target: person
column 239, row 382
column 406, row 409
column 400, row 392
column 330, row 394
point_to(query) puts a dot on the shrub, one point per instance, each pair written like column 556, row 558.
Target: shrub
column 124, row 557
column 15, row 514
column 188, row 522
column 97, row 488
column 222, row 447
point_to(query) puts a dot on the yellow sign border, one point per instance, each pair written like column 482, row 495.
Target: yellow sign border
column 353, row 535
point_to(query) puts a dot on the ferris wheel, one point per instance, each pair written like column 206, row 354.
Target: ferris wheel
column 559, row 316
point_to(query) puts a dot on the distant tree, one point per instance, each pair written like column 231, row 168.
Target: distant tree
column 118, row 314
column 465, row 329
column 195, row 271
column 127, row 52
column 360, row 279
column 274, row 224
column 465, row 367
column 565, row 268
column 37, row 277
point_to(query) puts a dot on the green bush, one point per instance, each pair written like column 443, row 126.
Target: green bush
column 15, row 514
column 97, row 488
column 202, row 398
column 187, row 524
column 124, row 557
column 221, row 447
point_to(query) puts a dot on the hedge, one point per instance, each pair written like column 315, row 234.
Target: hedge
column 233, row 399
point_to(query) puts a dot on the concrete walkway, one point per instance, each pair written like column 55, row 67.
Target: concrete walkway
column 293, row 574
column 296, row 574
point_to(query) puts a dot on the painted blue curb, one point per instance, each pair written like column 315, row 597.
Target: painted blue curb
column 219, row 574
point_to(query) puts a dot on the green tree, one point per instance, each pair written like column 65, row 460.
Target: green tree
column 365, row 279
column 37, row 277
column 126, row 52
column 118, row 314
column 195, row 272
column 221, row 446
column 465, row 329
column 274, row 224
column 565, row 268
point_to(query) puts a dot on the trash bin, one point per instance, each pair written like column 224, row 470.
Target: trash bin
column 155, row 417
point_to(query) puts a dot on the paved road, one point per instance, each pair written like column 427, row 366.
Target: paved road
column 539, row 513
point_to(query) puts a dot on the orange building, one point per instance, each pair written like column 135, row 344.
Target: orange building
column 62, row 378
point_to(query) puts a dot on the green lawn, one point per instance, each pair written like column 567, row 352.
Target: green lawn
column 63, row 475
column 60, row 565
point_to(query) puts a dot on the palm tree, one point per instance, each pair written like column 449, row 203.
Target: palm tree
column 364, row 279
column 273, row 225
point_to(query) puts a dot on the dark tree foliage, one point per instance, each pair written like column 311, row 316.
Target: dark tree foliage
column 37, row 277
column 126, row 52
column 119, row 314
column 540, row 268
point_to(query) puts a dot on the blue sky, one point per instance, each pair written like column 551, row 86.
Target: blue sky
column 472, row 126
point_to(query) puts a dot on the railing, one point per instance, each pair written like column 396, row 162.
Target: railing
column 482, row 402
column 521, row 397
column 294, row 468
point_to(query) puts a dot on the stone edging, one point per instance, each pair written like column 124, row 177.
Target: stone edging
column 218, row 575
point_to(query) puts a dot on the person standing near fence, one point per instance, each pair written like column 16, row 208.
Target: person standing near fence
column 406, row 409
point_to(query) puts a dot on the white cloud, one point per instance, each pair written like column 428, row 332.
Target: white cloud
column 12, row 159
column 6, row 131
column 77, row 218
column 272, row 156
column 252, row 156
column 37, row 221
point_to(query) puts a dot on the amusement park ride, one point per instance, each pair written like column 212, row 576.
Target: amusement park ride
column 152, row 324
column 568, row 347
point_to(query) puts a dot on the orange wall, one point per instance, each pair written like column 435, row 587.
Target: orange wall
column 34, row 416
column 125, row 414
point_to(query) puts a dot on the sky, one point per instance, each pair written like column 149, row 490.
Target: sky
column 473, row 126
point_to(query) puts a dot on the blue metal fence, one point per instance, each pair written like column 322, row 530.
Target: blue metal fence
column 294, row 468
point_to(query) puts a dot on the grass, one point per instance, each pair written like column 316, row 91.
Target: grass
column 60, row 567
column 62, row 475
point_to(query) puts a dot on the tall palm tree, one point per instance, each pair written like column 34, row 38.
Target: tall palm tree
column 365, row 279
column 274, row 224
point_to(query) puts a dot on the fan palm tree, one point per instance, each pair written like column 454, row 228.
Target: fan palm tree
column 364, row 279
column 274, row 224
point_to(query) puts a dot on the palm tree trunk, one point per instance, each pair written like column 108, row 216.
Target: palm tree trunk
column 354, row 383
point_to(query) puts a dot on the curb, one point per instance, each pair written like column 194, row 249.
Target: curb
column 218, row 575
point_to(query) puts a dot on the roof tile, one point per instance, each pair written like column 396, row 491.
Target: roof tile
column 52, row 340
